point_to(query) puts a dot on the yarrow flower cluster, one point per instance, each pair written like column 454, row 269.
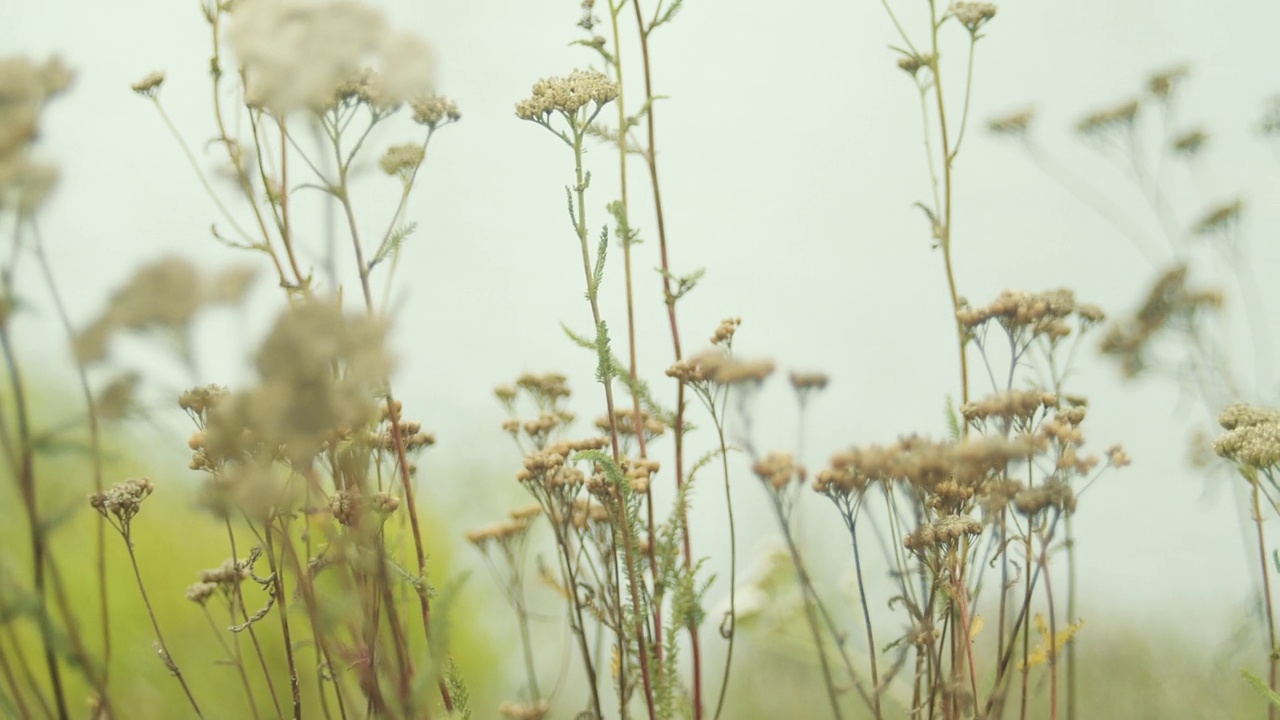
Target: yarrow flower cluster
column 567, row 95
column 25, row 89
column 1015, row 124
column 1118, row 117
column 1253, row 436
column 297, row 54
column 973, row 15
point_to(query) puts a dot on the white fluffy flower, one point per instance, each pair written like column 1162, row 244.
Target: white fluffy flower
column 297, row 53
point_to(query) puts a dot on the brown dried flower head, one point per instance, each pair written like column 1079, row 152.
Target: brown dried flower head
column 778, row 469
column 1014, row 124
column 725, row 331
column 739, row 372
column 947, row 530
column 123, row 500
column 802, row 381
column 1120, row 117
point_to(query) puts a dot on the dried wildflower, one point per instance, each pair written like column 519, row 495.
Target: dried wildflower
column 505, row 394
column 945, row 531
column 1190, row 142
column 1220, row 219
column 911, row 64
column 526, row 512
column 1238, row 415
column 122, row 501
column 1117, row 457
column 1019, row 405
column 1162, row 84
column 1168, row 303
column 547, row 387
column 300, row 398
column 1253, row 435
column 25, row 88
column 1121, row 116
column 201, row 592
column 778, row 469
column 1052, row 494
column 725, row 330
column 1015, row 124
column 808, row 380
column 297, row 54
column 1031, row 314
column 162, row 295
column 402, row 160
column 624, row 423
column 229, row 572
column 738, row 372
column 567, row 95
column 840, row 480
column 430, row 110
column 117, row 399
column 1256, row 445
column 973, row 15
column 149, row 86
column 200, row 400
column 698, row 368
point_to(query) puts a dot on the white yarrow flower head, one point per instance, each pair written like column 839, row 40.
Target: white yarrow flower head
column 973, row 15
column 298, row 54
column 567, row 95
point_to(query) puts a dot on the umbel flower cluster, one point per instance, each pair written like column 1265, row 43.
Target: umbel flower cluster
column 567, row 95
column 295, row 54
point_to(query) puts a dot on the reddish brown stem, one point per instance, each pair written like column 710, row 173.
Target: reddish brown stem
column 669, row 297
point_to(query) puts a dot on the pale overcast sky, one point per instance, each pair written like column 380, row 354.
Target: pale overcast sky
column 791, row 153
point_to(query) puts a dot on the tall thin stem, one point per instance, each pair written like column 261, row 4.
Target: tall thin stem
column 1273, row 662
column 95, row 452
column 651, row 158
column 166, row 656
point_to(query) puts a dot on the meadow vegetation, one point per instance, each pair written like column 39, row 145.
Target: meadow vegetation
column 320, row 586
